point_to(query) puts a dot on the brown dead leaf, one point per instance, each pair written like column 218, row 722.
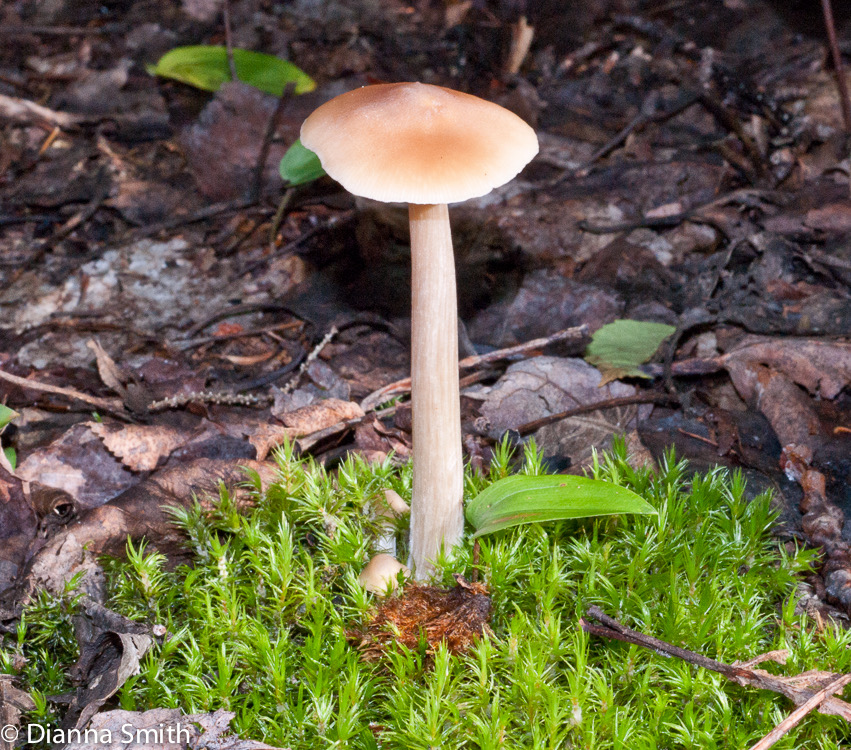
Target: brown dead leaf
column 319, row 416
column 264, row 436
column 13, row 702
column 456, row 616
column 835, row 218
column 107, row 369
column 540, row 387
column 222, row 146
column 77, row 463
column 105, row 664
column 822, row 367
column 545, row 302
column 18, row 524
column 160, row 729
column 139, row 447
column 139, row 512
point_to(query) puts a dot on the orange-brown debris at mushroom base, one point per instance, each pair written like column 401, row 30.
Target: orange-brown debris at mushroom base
column 456, row 616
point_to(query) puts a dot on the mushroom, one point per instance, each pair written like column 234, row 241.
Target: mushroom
column 380, row 572
column 387, row 510
column 426, row 146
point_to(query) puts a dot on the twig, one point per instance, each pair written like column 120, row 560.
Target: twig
column 69, row 226
column 674, row 220
column 521, row 40
column 232, row 312
column 109, row 28
column 332, row 222
column 799, row 713
column 178, row 221
column 729, row 120
column 229, row 40
column 841, row 83
column 284, row 203
column 611, row 628
column 271, row 127
column 23, row 110
column 574, row 335
column 113, row 406
column 610, row 403
column 646, row 115
column 244, row 333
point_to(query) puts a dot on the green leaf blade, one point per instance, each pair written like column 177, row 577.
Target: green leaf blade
column 300, row 165
column 535, row 499
column 618, row 348
column 6, row 415
column 206, row 67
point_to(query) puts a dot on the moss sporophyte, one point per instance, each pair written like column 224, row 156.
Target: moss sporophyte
column 258, row 624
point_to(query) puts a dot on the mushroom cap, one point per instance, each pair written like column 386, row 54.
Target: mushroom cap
column 393, row 506
column 418, row 143
column 380, row 571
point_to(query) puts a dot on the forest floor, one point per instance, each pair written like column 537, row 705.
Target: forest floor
column 166, row 320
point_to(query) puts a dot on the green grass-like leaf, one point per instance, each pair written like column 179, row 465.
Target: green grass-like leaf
column 619, row 347
column 206, row 67
column 533, row 499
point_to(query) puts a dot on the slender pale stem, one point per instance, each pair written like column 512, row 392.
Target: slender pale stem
column 437, row 518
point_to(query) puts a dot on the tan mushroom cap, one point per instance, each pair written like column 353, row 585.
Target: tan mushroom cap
column 380, row 571
column 418, row 143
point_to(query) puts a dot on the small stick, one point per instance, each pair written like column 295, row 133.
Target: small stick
column 521, row 41
column 229, row 40
column 325, row 226
column 573, row 335
column 113, row 406
column 841, row 83
column 109, row 28
column 207, row 212
column 799, row 713
column 610, row 403
column 286, row 199
column 611, row 628
column 23, row 110
column 271, row 126
column 477, row 549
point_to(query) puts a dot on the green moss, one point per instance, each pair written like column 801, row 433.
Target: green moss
column 257, row 626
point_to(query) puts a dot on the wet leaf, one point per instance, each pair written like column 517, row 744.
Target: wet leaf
column 206, row 67
column 300, row 165
column 527, row 499
column 619, row 347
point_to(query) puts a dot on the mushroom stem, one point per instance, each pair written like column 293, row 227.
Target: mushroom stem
column 437, row 518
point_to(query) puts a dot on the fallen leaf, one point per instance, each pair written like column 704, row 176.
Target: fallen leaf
column 105, row 664
column 822, row 367
column 18, row 525
column 835, row 217
column 318, row 416
column 139, row 512
column 139, row 447
column 543, row 386
column 77, row 463
column 13, row 702
column 160, row 729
